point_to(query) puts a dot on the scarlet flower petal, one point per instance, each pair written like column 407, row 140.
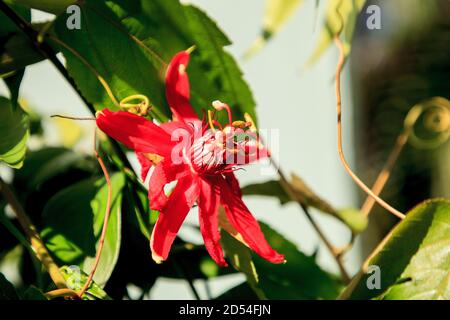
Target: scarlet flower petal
column 177, row 88
column 135, row 132
column 208, row 204
column 241, row 218
column 164, row 173
column 172, row 216
column 146, row 164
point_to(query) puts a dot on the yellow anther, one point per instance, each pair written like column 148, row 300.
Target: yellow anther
column 249, row 119
column 218, row 105
column 239, row 124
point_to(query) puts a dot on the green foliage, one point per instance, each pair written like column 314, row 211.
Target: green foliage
column 73, row 221
column 51, row 6
column 299, row 278
column 240, row 258
column 76, row 278
column 47, row 163
column 33, row 293
column 277, row 13
column 15, row 52
column 414, row 259
column 354, row 219
column 14, row 130
column 7, row 291
column 129, row 44
column 341, row 15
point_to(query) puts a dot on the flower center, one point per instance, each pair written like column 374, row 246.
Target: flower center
column 219, row 150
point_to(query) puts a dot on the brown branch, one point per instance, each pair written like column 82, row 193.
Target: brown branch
column 33, row 236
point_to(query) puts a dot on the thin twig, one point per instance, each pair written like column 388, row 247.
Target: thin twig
column 286, row 185
column 105, row 221
column 385, row 173
column 33, row 236
column 355, row 178
column 72, row 118
column 183, row 273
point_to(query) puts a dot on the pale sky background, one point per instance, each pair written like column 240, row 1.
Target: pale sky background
column 299, row 103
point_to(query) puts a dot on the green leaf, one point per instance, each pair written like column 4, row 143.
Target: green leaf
column 107, row 46
column 51, row 6
column 215, row 74
column 16, row 52
column 9, row 36
column 13, row 82
column 44, row 164
column 14, row 130
column 299, row 278
column 76, row 279
column 271, row 188
column 276, row 15
column 7, row 290
column 33, row 293
column 338, row 12
column 241, row 259
column 353, row 218
column 130, row 44
column 414, row 259
column 73, row 220
column 6, row 25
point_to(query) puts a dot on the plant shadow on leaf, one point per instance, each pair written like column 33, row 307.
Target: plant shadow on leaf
column 73, row 221
column 299, row 278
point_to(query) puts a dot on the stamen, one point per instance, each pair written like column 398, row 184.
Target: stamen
column 240, row 124
column 210, row 121
column 249, row 119
column 219, row 105
column 217, row 123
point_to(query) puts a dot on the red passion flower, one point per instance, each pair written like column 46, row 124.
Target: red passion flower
column 200, row 155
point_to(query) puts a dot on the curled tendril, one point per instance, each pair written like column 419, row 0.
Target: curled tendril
column 141, row 108
column 436, row 120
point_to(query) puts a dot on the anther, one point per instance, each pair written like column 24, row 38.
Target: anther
column 219, row 105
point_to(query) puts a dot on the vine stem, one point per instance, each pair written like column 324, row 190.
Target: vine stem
column 443, row 114
column 61, row 293
column 355, row 178
column 385, row 173
column 33, row 236
column 286, row 185
column 98, row 254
